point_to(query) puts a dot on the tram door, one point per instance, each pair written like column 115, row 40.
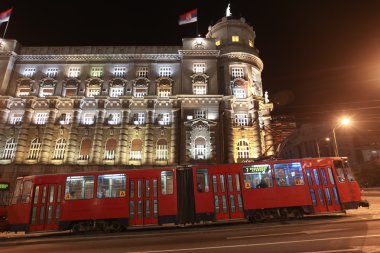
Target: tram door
column 323, row 190
column 45, row 207
column 143, row 201
column 227, row 196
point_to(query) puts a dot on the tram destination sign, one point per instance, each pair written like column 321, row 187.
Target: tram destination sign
column 4, row 186
column 256, row 168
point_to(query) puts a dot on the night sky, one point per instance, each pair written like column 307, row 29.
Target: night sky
column 321, row 58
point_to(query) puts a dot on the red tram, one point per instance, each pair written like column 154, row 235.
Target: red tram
column 115, row 200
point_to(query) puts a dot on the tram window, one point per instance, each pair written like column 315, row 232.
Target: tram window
column 350, row 175
column 167, row 182
column 79, row 187
column 324, row 179
column 111, row 186
column 17, row 192
column 257, row 176
column 331, row 176
column 288, row 174
column 202, row 180
column 309, row 178
column 26, row 191
column 339, row 171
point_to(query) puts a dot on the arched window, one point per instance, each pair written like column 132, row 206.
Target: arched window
column 243, row 149
column 200, row 148
column 162, row 150
column 85, row 149
column 9, row 149
column 109, row 153
column 35, row 149
column 136, row 149
column 59, row 149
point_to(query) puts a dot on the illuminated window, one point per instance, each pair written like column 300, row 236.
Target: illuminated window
column 237, row 73
column 217, row 43
column 119, row 71
column 165, row 72
column 140, row 92
column 163, row 118
column 24, row 91
column 93, row 91
column 97, row 71
column 164, row 91
column 167, row 182
column 235, row 38
column 200, row 148
column 79, row 187
column 10, row 149
column 142, row 72
column 243, row 149
column 199, row 67
column 114, row 118
column 257, row 176
column 239, row 92
column 250, row 43
column 111, row 185
column 161, row 150
column 29, row 72
column 136, row 149
column 46, row 91
column 199, row 114
column 59, row 149
column 139, row 118
column 199, row 88
column 52, row 72
column 16, row 118
column 241, row 119
column 65, row 118
column 41, row 118
column 35, row 149
column 85, row 149
column 74, row 72
column 116, row 91
column 88, row 119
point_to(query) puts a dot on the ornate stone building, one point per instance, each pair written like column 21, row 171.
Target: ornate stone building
column 126, row 107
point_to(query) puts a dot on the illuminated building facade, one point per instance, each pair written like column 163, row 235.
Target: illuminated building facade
column 114, row 106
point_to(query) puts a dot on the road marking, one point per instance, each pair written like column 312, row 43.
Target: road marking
column 302, row 232
column 253, row 244
column 333, row 251
column 323, row 231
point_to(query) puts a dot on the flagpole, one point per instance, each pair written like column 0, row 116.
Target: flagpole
column 6, row 27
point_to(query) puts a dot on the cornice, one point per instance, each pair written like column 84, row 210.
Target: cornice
column 212, row 53
column 99, row 57
column 246, row 58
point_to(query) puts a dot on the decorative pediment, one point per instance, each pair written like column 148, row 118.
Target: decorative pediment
column 118, row 82
column 200, row 123
column 48, row 82
column 140, row 81
column 164, row 81
column 199, row 78
column 25, row 82
column 71, row 82
column 94, row 81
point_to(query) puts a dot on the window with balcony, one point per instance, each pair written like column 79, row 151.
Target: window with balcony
column 35, row 149
column 140, row 92
column 142, row 72
column 139, row 118
column 59, row 149
column 199, row 89
column 165, row 72
column 110, row 149
column 88, row 119
column 65, row 118
column 119, row 71
column 40, row 118
column 164, row 91
column 9, row 149
column 239, row 92
column 114, row 118
column 161, row 150
column 96, row 72
column 200, row 148
column 74, row 72
column 16, row 118
column 163, row 119
column 116, row 92
column 136, row 149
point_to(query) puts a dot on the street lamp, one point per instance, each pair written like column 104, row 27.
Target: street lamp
column 343, row 122
column 318, row 148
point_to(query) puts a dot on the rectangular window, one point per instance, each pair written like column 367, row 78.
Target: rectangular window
column 165, row 72
column 116, row 92
column 163, row 119
column 24, row 91
column 16, row 118
column 111, row 186
column 241, row 119
column 339, row 171
column 52, row 72
column 114, row 118
column 199, row 114
column 41, row 118
column 235, row 38
column 167, row 182
column 26, row 191
column 164, row 92
column 289, row 174
column 239, row 92
column 79, row 187
column 47, row 91
column 65, row 118
column 119, row 71
column 70, row 92
column 237, row 73
column 161, row 152
column 92, row 92
column 199, row 67
column 309, row 178
column 202, row 180
column 257, row 176
column 139, row 118
column 200, row 89
column 217, row 43
column 74, row 72
column 88, row 119
column 142, row 72
column 97, row 71
column 140, row 92
column 29, row 72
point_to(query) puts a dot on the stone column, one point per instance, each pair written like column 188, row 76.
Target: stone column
column 99, row 139
column 23, row 138
column 269, row 144
column 48, row 140
column 124, row 138
column 73, row 140
column 149, row 139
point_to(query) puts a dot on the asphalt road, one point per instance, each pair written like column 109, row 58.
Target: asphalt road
column 358, row 231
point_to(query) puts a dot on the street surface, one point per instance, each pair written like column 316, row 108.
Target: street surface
column 357, row 231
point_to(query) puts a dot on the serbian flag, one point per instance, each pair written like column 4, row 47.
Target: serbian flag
column 188, row 17
column 4, row 16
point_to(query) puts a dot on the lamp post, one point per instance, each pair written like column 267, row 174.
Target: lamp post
column 343, row 122
column 318, row 148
